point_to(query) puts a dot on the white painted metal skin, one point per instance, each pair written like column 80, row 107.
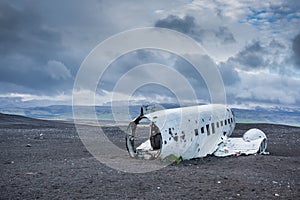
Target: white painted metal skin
column 192, row 132
column 253, row 141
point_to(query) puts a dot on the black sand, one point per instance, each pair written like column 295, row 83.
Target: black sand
column 46, row 160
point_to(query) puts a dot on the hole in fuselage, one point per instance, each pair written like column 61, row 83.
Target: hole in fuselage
column 142, row 131
column 147, row 139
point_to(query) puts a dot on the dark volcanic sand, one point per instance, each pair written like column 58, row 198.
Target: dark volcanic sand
column 57, row 166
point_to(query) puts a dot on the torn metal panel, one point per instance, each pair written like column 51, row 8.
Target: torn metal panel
column 253, row 141
column 190, row 132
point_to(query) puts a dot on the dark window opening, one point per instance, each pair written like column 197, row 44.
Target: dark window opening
column 225, row 122
column 221, row 123
column 155, row 141
column 228, row 121
column 207, row 129
column 212, row 128
column 202, row 129
column 218, row 125
column 155, row 137
column 231, row 119
column 196, row 132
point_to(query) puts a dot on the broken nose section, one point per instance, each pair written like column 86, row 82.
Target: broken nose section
column 150, row 149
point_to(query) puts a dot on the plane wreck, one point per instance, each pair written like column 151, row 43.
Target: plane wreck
column 192, row 132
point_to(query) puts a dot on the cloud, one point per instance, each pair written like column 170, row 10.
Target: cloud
column 10, row 100
column 22, row 74
column 34, row 35
column 121, row 67
column 30, row 51
column 57, row 70
column 229, row 74
column 42, row 44
column 276, row 89
column 262, row 73
column 22, row 33
column 224, row 34
column 123, row 64
column 251, row 57
column 185, row 25
column 296, row 50
column 273, row 57
column 188, row 25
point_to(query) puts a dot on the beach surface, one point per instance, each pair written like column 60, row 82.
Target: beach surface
column 47, row 160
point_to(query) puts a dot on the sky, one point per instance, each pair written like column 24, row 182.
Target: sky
column 254, row 44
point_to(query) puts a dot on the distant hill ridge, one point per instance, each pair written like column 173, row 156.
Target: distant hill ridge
column 258, row 115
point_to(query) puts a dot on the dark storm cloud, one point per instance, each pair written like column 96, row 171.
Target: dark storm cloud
column 37, row 37
column 224, row 34
column 121, row 66
column 252, row 56
column 272, row 56
column 30, row 51
column 229, row 74
column 296, row 50
column 23, row 33
column 187, row 25
column 127, row 62
column 258, row 56
column 27, row 79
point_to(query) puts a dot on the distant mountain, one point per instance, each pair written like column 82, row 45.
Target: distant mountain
column 261, row 115
column 258, row 115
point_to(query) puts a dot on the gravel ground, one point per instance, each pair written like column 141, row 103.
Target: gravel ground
column 47, row 160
